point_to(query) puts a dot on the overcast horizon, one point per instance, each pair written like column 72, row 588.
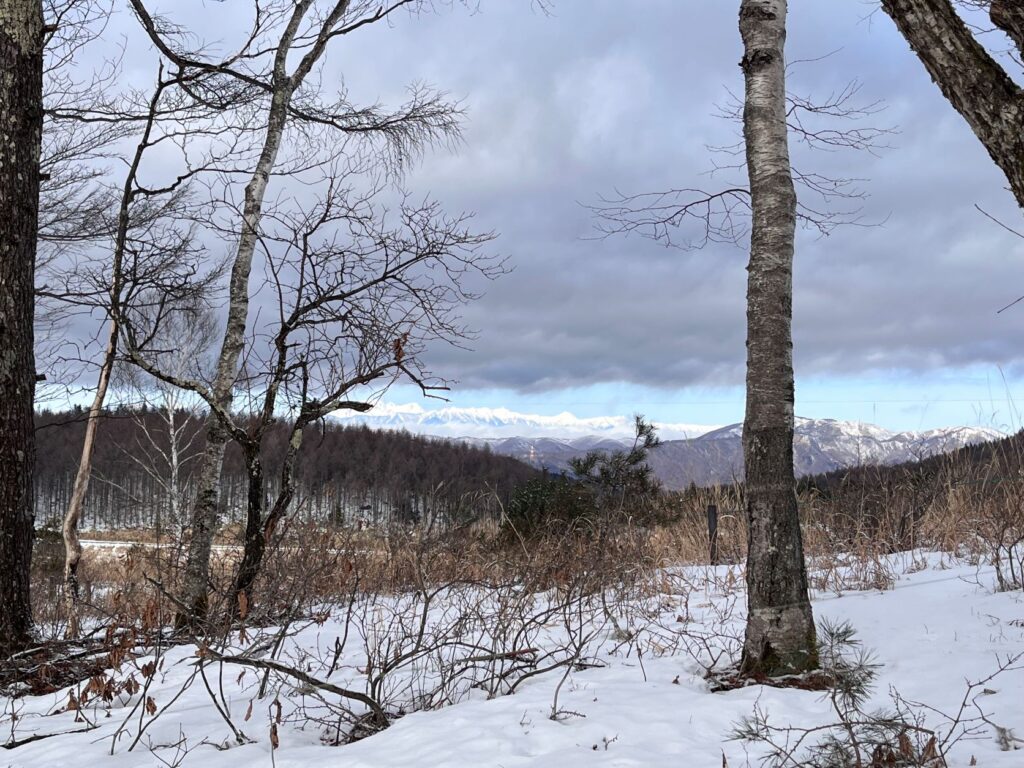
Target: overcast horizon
column 895, row 323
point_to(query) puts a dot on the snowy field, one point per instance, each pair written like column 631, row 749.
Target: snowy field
column 627, row 686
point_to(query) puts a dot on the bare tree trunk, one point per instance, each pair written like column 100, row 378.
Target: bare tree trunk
column 173, row 458
column 1008, row 15
column 283, row 86
column 780, row 635
column 72, row 545
column 969, row 77
column 254, row 545
column 21, row 122
column 204, row 515
column 258, row 532
column 203, row 524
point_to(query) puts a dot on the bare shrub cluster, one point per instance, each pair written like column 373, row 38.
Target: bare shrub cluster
column 907, row 734
column 968, row 503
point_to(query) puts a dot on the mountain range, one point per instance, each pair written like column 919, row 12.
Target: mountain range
column 689, row 453
column 455, row 422
column 820, row 445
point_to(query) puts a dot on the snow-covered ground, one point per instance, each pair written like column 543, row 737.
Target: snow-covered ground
column 941, row 626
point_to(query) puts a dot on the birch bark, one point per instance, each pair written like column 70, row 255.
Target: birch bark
column 970, row 78
column 205, row 513
column 780, row 637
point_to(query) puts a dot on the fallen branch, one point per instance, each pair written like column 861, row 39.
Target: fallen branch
column 379, row 715
column 15, row 743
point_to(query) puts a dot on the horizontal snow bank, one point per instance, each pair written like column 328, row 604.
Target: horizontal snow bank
column 939, row 626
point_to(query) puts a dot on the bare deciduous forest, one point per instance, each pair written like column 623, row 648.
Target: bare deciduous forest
column 347, row 475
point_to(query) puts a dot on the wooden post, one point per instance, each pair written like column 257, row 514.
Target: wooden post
column 713, row 533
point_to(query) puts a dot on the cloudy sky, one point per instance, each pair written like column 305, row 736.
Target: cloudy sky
column 895, row 324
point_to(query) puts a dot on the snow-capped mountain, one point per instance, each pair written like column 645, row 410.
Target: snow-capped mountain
column 457, row 422
column 548, row 452
column 820, row 445
column 688, row 453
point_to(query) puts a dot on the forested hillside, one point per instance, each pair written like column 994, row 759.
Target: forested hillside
column 145, row 468
column 992, row 463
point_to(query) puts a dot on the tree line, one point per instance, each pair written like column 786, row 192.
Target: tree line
column 348, row 475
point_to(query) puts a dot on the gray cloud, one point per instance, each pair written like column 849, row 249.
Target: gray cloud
column 599, row 97
column 593, row 100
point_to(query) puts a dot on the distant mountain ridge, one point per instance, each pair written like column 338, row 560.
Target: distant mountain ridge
column 488, row 423
column 689, row 453
column 820, row 445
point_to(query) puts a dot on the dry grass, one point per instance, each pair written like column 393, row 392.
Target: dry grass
column 851, row 529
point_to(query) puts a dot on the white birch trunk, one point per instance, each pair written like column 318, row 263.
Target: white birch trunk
column 780, row 637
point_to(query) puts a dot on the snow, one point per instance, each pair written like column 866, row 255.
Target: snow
column 458, row 422
column 121, row 546
column 939, row 626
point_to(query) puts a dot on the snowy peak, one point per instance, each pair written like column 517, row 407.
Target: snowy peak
column 820, row 445
column 690, row 453
column 491, row 423
column 849, row 443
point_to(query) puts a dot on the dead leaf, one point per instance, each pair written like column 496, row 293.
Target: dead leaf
column 930, row 751
column 906, row 748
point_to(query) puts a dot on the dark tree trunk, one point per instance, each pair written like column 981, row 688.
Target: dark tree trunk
column 780, row 636
column 254, row 545
column 973, row 82
column 259, row 532
column 21, row 120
